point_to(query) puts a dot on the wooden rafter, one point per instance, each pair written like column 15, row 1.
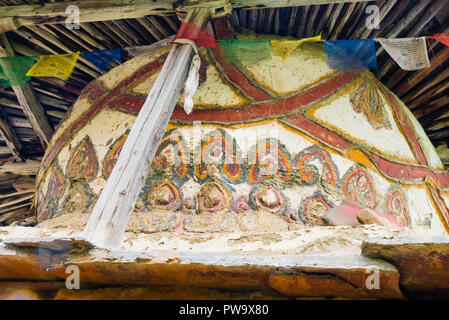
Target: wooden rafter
column 11, row 139
column 13, row 17
column 27, row 99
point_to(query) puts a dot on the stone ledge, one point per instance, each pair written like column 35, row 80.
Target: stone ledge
column 422, row 263
column 308, row 275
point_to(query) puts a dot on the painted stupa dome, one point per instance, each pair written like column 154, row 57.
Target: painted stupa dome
column 272, row 144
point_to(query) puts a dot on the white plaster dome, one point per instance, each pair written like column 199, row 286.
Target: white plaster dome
column 280, row 143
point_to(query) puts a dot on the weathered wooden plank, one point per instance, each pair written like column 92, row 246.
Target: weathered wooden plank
column 27, row 99
column 284, row 3
column 16, row 201
column 292, row 20
column 11, row 139
column 328, row 33
column 91, row 10
column 383, row 12
column 107, row 223
column 15, row 214
column 29, row 167
column 14, row 194
column 12, row 17
column 344, row 20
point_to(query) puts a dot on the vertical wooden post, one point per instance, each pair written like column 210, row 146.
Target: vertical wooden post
column 107, row 223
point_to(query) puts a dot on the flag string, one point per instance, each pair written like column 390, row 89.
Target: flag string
column 409, row 53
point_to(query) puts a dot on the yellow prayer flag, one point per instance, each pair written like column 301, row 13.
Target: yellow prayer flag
column 284, row 48
column 58, row 66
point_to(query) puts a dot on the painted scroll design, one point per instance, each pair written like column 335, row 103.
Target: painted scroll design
column 213, row 198
column 367, row 100
column 357, row 186
column 219, row 153
column 268, row 197
column 270, row 161
column 310, row 174
column 313, row 207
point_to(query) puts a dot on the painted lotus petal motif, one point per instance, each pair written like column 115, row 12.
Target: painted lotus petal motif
column 213, row 198
column 111, row 157
column 367, row 99
column 268, row 198
column 165, row 195
column 219, row 152
column 171, row 159
column 83, row 162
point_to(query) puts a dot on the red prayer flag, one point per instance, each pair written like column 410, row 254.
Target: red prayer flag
column 201, row 36
column 443, row 38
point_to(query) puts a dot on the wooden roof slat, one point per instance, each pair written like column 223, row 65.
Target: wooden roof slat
column 344, row 19
column 333, row 21
column 417, row 77
column 292, row 20
column 12, row 141
column 303, row 19
column 312, row 19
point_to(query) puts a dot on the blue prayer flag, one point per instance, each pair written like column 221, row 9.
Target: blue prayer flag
column 351, row 54
column 103, row 59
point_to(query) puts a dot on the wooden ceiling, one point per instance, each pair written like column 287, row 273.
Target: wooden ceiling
column 426, row 92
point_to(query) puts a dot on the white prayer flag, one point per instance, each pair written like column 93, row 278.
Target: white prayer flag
column 409, row 53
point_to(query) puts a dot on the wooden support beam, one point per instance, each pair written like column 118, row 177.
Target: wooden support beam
column 27, row 99
column 12, row 141
column 107, row 223
column 13, row 17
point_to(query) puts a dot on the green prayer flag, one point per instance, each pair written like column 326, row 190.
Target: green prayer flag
column 246, row 51
column 13, row 70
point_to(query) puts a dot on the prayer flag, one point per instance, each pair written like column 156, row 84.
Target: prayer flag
column 443, row 38
column 201, row 36
column 58, row 66
column 409, row 53
column 13, row 70
column 284, row 48
column 103, row 59
column 351, row 54
column 246, row 51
